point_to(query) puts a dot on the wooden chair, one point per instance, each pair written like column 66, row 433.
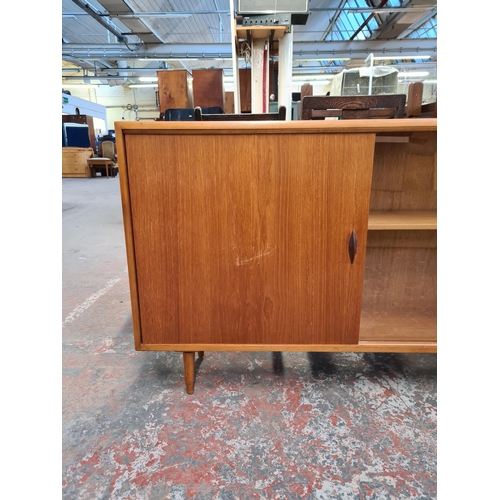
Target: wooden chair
column 107, row 160
column 108, row 150
column 200, row 116
column 347, row 107
column 414, row 107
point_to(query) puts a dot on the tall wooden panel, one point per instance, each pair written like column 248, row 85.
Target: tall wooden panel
column 228, row 102
column 246, row 90
column 175, row 89
column 208, row 88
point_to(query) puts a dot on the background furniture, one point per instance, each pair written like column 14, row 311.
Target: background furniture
column 188, row 114
column 175, row 89
column 74, row 162
column 415, row 108
column 245, row 75
column 199, row 115
column 208, row 88
column 294, row 236
column 108, row 150
column 106, row 163
column 82, row 120
column 353, row 107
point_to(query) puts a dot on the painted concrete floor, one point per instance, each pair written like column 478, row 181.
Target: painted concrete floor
column 258, row 426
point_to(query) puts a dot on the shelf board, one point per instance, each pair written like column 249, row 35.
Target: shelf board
column 260, row 31
column 379, row 329
column 414, row 220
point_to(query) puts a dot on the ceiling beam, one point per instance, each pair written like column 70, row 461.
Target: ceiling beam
column 396, row 23
column 301, row 50
column 185, row 13
column 88, row 9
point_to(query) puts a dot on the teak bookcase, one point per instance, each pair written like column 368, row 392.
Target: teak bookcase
column 280, row 236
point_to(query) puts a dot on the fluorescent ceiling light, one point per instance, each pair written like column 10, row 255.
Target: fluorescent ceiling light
column 311, row 77
column 82, row 86
column 166, row 59
column 391, row 58
column 315, row 82
column 323, row 59
column 148, row 78
column 137, row 15
column 143, row 85
column 430, row 81
column 384, row 10
column 414, row 74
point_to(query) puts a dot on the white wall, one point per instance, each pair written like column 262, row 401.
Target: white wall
column 116, row 99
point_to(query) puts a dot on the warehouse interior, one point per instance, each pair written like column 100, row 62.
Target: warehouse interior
column 259, row 424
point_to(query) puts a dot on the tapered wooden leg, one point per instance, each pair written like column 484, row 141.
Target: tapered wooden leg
column 201, row 354
column 189, row 371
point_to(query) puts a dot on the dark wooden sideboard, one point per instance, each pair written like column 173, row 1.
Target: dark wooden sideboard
column 280, row 236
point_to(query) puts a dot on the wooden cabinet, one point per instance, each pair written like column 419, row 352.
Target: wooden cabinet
column 208, row 88
column 74, row 162
column 175, row 89
column 84, row 120
column 281, row 236
column 245, row 76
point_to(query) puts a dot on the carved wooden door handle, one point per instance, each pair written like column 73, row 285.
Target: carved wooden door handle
column 353, row 246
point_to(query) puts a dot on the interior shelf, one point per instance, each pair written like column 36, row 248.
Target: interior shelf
column 378, row 328
column 412, row 220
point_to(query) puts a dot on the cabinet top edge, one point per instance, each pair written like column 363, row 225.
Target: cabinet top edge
column 296, row 126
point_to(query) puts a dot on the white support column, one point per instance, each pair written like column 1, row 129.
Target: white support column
column 285, row 63
column 260, row 75
column 236, row 71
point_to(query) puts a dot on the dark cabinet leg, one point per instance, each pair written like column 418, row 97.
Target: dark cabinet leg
column 189, row 371
column 201, row 354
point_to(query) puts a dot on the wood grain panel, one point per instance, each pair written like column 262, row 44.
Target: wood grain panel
column 239, row 241
column 363, row 346
column 245, row 78
column 404, row 174
column 374, row 126
column 208, row 88
column 400, row 274
column 409, row 328
column 175, row 89
column 229, row 102
column 401, row 219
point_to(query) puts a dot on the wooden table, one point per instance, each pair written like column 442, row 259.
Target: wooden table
column 94, row 162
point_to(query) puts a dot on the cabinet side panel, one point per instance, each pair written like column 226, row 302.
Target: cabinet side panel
column 244, row 239
column 154, row 209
